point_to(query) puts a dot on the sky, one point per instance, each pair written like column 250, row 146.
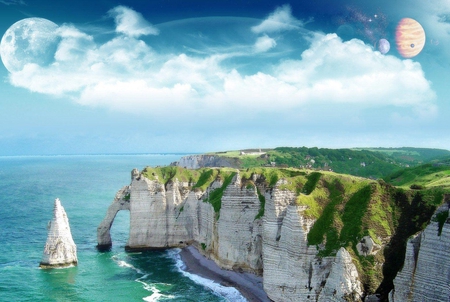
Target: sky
column 176, row 76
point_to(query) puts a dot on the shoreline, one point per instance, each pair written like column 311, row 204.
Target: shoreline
column 249, row 285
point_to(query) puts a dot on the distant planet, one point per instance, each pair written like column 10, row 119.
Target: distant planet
column 409, row 37
column 30, row 40
column 384, row 46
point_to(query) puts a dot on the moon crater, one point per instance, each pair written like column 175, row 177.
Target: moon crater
column 30, row 40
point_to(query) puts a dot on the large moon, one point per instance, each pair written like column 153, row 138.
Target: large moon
column 30, row 40
column 409, row 37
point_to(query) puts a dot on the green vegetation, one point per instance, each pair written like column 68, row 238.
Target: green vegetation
column 262, row 203
column 207, row 176
column 436, row 174
column 324, row 224
column 203, row 246
column 411, row 155
column 367, row 162
column 127, row 197
column 352, row 217
column 215, row 196
column 310, row 185
column 167, row 173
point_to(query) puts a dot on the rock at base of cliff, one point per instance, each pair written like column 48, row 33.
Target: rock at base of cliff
column 60, row 249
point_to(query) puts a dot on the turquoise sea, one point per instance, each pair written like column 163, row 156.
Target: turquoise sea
column 86, row 185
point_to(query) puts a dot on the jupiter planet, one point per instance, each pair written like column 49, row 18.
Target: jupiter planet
column 409, row 37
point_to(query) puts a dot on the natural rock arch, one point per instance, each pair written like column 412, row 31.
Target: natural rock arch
column 121, row 202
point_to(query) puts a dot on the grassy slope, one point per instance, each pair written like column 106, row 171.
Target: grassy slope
column 379, row 162
column 436, row 174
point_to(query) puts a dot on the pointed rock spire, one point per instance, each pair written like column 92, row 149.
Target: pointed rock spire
column 60, row 249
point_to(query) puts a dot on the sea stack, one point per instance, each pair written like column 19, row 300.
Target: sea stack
column 60, row 249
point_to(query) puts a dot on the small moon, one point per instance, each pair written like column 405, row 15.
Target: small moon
column 409, row 37
column 384, row 46
column 30, row 40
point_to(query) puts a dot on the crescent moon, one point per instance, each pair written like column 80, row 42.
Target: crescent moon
column 30, row 40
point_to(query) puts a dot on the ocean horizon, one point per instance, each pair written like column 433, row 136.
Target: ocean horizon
column 86, row 185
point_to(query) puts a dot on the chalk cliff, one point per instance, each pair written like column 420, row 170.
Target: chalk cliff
column 425, row 275
column 292, row 269
column 205, row 160
column 236, row 236
column 312, row 236
column 60, row 249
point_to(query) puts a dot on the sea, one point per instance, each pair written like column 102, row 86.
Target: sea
column 86, row 186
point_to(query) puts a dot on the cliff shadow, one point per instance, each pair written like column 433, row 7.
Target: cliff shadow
column 415, row 214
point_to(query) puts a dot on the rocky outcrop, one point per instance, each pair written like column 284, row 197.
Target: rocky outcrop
column 366, row 246
column 60, row 249
column 425, row 275
column 200, row 161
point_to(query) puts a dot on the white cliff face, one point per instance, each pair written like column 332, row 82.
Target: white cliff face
column 239, row 233
column 60, row 249
column 425, row 275
column 343, row 280
column 174, row 217
column 276, row 245
column 163, row 217
column 148, row 214
column 292, row 269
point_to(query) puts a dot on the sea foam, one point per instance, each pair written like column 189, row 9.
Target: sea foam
column 151, row 287
column 229, row 293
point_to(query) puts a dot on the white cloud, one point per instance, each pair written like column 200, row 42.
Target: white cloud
column 131, row 23
column 128, row 75
column 351, row 72
column 74, row 44
column 264, row 44
column 280, row 20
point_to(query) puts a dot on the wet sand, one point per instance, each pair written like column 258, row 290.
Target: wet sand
column 249, row 285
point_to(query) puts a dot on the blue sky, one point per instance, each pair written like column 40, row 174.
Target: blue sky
column 197, row 76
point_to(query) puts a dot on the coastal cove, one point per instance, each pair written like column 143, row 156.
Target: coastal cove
column 86, row 185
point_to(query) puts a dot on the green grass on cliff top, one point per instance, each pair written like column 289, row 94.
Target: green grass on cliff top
column 367, row 162
column 436, row 174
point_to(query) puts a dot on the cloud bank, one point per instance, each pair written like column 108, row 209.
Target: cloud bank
column 127, row 74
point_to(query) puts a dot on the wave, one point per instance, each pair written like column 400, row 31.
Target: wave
column 229, row 293
column 123, row 263
column 151, row 287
